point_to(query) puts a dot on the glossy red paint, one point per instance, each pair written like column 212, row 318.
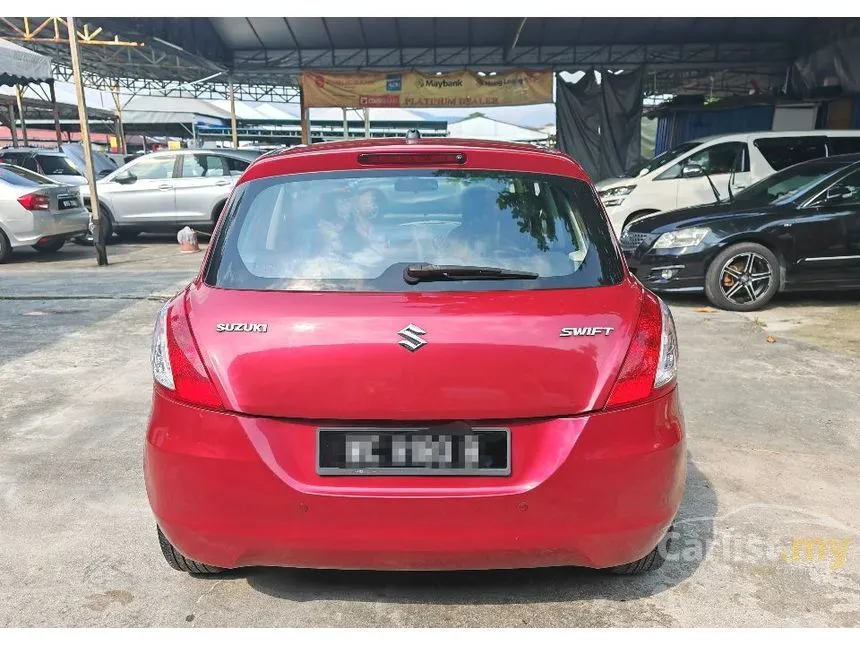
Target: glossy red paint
column 336, row 356
column 595, row 490
column 232, row 482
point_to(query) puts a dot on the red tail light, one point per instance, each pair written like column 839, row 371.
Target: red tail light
column 35, row 202
column 411, row 158
column 180, row 368
column 650, row 365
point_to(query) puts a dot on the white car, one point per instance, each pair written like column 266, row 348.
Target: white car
column 679, row 177
column 37, row 211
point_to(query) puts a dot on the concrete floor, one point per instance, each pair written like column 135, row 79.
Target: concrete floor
column 774, row 450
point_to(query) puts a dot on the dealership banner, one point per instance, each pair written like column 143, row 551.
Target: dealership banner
column 419, row 90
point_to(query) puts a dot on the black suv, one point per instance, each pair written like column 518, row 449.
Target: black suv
column 51, row 163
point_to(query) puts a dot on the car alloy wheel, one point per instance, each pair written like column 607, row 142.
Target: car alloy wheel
column 746, row 277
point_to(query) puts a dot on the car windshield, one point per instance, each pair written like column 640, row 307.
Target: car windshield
column 650, row 165
column 57, row 165
column 16, row 176
column 375, row 230
column 786, row 183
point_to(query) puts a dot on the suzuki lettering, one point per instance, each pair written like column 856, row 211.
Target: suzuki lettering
column 252, row 327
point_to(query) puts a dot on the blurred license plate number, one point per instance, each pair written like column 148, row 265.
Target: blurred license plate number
column 68, row 203
column 380, row 452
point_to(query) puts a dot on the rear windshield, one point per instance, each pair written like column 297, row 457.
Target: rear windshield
column 57, row 165
column 17, row 176
column 359, row 231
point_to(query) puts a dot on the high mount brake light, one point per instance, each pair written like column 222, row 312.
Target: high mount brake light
column 411, row 158
column 176, row 362
column 651, row 363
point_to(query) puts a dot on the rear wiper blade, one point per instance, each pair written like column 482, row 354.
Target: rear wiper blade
column 415, row 273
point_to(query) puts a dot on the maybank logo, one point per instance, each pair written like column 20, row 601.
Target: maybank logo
column 439, row 83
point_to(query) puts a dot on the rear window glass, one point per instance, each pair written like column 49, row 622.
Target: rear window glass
column 359, row 231
column 21, row 177
column 57, row 165
column 782, row 152
column 843, row 145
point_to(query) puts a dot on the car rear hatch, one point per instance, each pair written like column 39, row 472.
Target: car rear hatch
column 344, row 356
column 353, row 295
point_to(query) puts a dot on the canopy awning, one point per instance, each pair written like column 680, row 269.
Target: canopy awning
column 19, row 65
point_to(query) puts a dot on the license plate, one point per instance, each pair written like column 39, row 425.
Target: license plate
column 68, row 202
column 422, row 451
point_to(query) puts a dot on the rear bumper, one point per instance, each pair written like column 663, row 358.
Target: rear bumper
column 595, row 491
column 46, row 224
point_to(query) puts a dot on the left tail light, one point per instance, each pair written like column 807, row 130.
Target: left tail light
column 35, row 202
column 177, row 364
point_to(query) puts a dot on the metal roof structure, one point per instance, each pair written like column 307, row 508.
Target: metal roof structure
column 480, row 126
column 194, row 56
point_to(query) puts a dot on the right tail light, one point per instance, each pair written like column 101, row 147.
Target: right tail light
column 651, row 364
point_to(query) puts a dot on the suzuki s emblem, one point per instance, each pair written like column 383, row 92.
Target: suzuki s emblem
column 586, row 331
column 411, row 335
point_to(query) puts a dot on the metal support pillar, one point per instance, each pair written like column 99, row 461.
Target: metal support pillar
column 120, row 128
column 366, row 123
column 98, row 231
column 345, row 125
column 234, row 134
column 305, row 118
column 19, row 92
column 56, row 112
column 13, row 128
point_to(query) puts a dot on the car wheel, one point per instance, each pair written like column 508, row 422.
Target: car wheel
column 744, row 277
column 107, row 223
column 126, row 235
column 50, row 245
column 179, row 562
column 5, row 247
column 651, row 562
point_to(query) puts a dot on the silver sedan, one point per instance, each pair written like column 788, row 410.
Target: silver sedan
column 36, row 211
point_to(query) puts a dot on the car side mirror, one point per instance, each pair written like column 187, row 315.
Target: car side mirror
column 837, row 194
column 125, row 177
column 692, row 170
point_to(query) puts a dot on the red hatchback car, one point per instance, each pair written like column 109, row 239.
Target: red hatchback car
column 414, row 355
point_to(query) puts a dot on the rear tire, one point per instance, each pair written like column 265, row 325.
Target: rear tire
column 51, row 246
column 216, row 213
column 179, row 562
column 744, row 277
column 5, row 248
column 651, row 562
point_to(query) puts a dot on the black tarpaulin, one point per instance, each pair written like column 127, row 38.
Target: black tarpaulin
column 599, row 124
column 578, row 112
